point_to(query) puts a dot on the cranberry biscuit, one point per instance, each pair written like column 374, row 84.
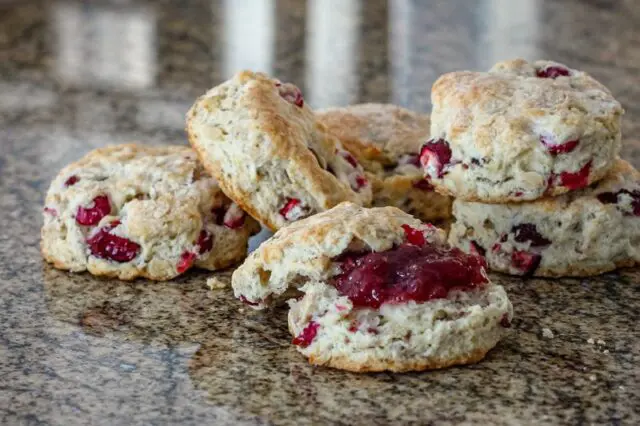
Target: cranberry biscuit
column 261, row 141
column 385, row 139
column 382, row 291
column 130, row 211
column 520, row 131
column 581, row 233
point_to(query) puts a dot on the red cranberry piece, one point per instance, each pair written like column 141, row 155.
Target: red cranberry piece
column 496, row 248
column 407, row 272
column 608, row 197
column 359, row 182
column 248, row 302
column 290, row 93
column 576, row 180
column 477, row 249
column 292, row 209
column 525, row 261
column 105, row 245
column 51, row 211
column 636, row 202
column 552, row 71
column 612, row 198
column 414, row 236
column 309, row 333
column 528, row 232
column 234, row 217
column 519, row 193
column 562, row 148
column 205, row 242
column 504, row 321
column 186, row 261
column 72, row 180
column 92, row 215
column 423, row 184
column 435, row 155
column 350, row 158
column 636, row 205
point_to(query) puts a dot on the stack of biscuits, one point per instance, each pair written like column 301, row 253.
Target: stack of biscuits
column 530, row 152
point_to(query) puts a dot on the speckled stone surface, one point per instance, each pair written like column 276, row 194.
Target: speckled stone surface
column 79, row 350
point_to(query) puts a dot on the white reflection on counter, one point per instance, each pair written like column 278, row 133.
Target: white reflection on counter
column 333, row 36
column 105, row 46
column 427, row 39
column 511, row 30
column 400, row 49
column 249, row 36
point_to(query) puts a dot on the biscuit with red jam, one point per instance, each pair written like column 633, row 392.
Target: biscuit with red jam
column 382, row 291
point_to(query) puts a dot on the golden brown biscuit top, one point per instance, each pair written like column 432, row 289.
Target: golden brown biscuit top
column 516, row 101
column 377, row 132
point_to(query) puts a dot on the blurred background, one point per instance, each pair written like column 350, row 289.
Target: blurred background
column 112, row 71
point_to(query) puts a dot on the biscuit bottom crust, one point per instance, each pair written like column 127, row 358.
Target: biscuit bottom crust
column 380, row 365
column 458, row 329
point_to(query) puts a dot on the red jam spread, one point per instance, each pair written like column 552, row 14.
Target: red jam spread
column 407, row 272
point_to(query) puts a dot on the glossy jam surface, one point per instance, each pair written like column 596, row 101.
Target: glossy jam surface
column 407, row 272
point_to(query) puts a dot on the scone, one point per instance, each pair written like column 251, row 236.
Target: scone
column 130, row 211
column 382, row 291
column 261, row 141
column 581, row 233
column 386, row 139
column 520, row 131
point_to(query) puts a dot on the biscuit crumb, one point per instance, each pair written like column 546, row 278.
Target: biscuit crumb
column 214, row 283
column 621, row 387
column 601, row 342
column 606, row 351
column 592, row 378
column 547, row 333
column 591, row 341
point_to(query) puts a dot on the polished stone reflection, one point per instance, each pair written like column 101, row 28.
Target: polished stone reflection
column 333, row 46
column 510, row 29
column 249, row 35
column 104, row 46
column 77, row 75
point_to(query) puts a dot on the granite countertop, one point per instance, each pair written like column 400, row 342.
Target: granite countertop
column 79, row 350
